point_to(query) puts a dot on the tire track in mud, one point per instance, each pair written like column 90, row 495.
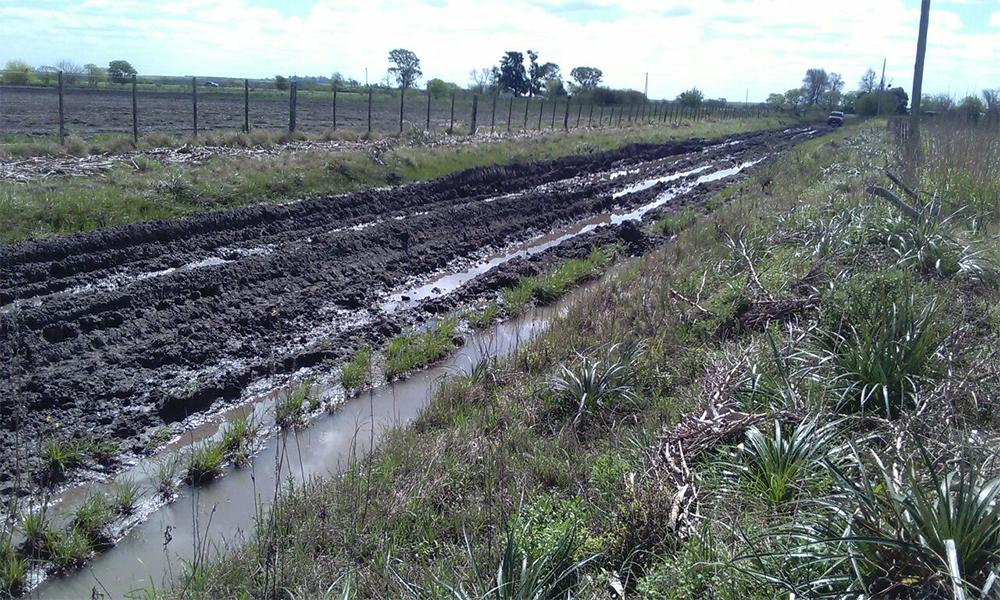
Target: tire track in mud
column 116, row 332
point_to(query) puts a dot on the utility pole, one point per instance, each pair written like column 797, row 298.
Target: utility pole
column 645, row 90
column 881, row 88
column 918, row 79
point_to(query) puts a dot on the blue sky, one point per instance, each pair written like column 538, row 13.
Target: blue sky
column 726, row 47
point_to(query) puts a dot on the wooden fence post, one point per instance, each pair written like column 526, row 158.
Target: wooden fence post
column 428, row 110
column 194, row 104
column 135, row 112
column 642, row 108
column 451, row 127
column 555, row 105
column 631, row 107
column 62, row 115
column 510, row 111
column 402, row 96
column 369, row 110
column 493, row 115
column 590, row 117
column 335, row 107
column 246, row 106
column 291, row 105
column 566, row 117
column 621, row 113
column 541, row 109
column 475, row 110
column 527, row 103
column 579, row 111
column 600, row 117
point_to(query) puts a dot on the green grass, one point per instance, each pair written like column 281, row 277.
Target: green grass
column 13, row 571
column 126, row 195
column 416, row 349
column 481, row 319
column 93, row 517
column 166, row 473
column 125, row 496
column 553, row 284
column 357, row 373
column 204, row 462
column 68, row 550
column 290, row 410
column 60, row 456
column 237, row 439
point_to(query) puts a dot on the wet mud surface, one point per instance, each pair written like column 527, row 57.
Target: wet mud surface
column 114, row 334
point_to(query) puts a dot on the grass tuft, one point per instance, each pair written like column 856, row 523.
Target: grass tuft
column 411, row 350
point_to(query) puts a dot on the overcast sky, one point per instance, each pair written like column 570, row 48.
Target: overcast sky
column 725, row 47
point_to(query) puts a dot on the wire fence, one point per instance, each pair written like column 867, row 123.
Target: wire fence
column 138, row 106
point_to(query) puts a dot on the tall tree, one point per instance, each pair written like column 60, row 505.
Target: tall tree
column 869, row 82
column 95, row 74
column 406, row 67
column 692, row 97
column 71, row 71
column 814, row 84
column 120, row 71
column 587, row 78
column 992, row 100
column 540, row 74
column 513, row 77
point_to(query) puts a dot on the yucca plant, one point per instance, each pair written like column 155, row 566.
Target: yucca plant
column 879, row 366
column 917, row 531
column 590, row 383
column 929, row 245
column 518, row 576
column 777, row 466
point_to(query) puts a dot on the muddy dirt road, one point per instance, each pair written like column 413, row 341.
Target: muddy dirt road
column 113, row 334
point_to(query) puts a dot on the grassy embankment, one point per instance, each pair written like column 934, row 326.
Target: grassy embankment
column 150, row 190
column 856, row 347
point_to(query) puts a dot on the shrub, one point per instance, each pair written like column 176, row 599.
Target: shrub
column 776, row 467
column 590, row 384
column 918, row 531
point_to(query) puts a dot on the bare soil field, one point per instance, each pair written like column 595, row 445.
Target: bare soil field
column 34, row 111
column 115, row 333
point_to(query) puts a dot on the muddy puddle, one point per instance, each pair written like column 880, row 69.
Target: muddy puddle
column 212, row 515
column 443, row 285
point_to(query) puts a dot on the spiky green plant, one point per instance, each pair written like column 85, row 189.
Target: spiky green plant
column 518, row 576
column 777, row 466
column 165, row 475
column 237, row 437
column 357, row 373
column 879, row 366
column 928, row 244
column 590, row 383
column 920, row 530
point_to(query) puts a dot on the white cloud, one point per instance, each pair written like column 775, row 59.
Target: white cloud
column 725, row 47
column 995, row 19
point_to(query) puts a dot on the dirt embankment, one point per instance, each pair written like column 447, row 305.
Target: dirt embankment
column 115, row 333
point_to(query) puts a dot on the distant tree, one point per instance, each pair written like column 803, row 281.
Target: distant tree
column 554, row 88
column 280, row 82
column 892, row 101
column 587, row 78
column 869, row 82
column 539, row 75
column 337, row 80
column 938, row 103
column 794, row 98
column 120, row 71
column 833, row 94
column 484, row 80
column 513, row 77
column 692, row 97
column 406, row 67
column 814, row 84
column 972, row 106
column 95, row 74
column 17, row 72
column 776, row 100
column 438, row 87
column 72, row 72
column 46, row 74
